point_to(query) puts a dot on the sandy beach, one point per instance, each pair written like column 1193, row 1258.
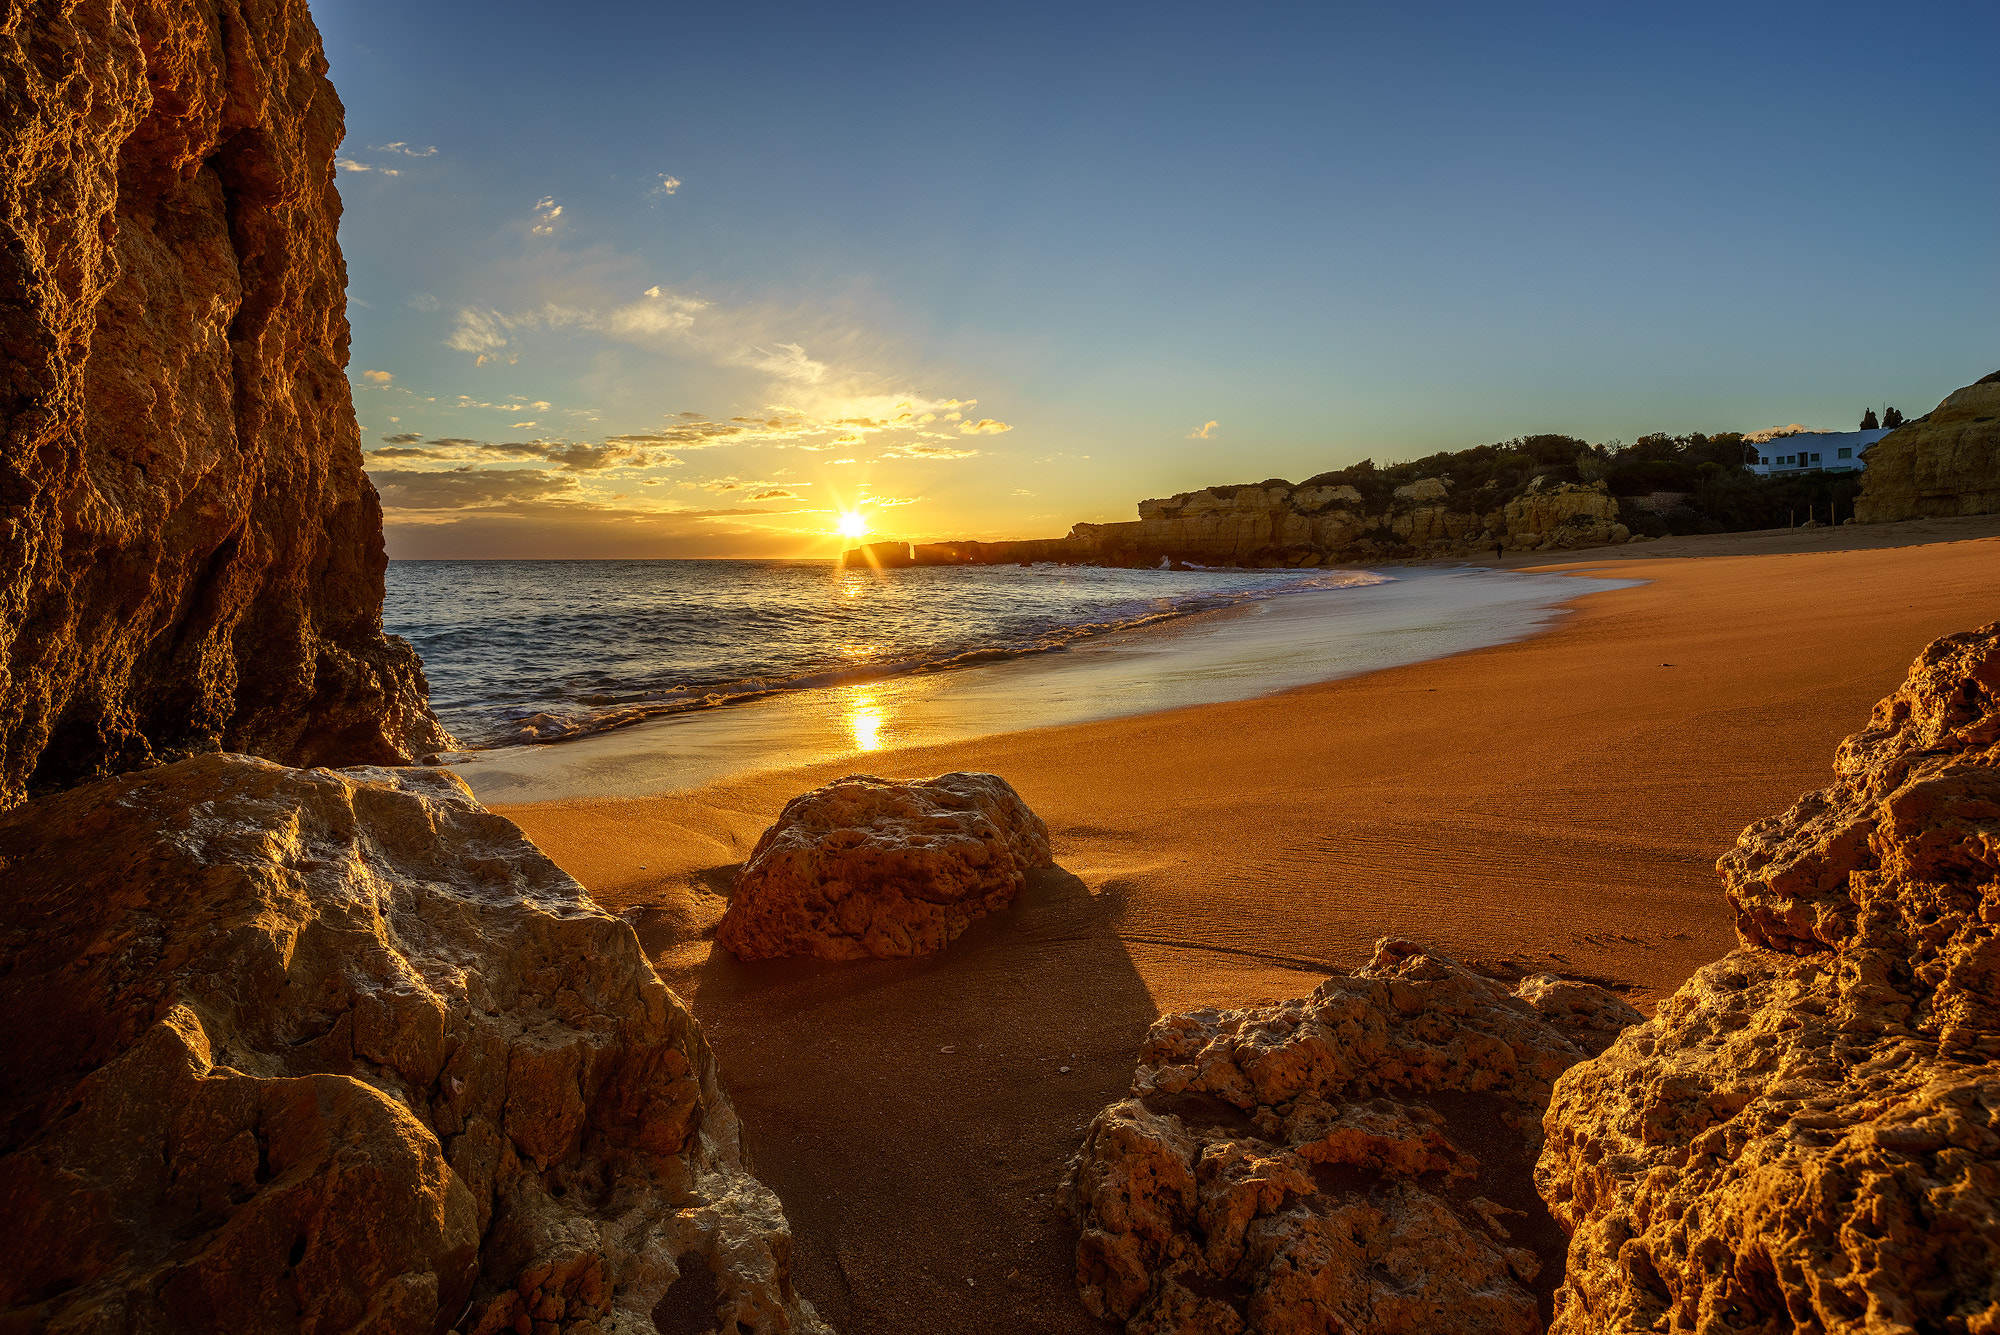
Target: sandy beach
column 1554, row 803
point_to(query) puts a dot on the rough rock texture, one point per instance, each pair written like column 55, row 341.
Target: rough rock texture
column 1277, row 524
column 877, row 867
column 1944, row 463
column 1807, row 1135
column 1358, row 1161
column 190, row 555
column 316, row 1050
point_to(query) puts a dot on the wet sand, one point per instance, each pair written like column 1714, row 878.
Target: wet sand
column 1556, row 802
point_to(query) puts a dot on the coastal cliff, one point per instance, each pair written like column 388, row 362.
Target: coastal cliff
column 286, row 1048
column 1946, row 462
column 1276, row 523
column 191, row 557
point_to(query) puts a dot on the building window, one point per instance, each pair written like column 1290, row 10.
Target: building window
column 1847, row 454
column 1815, row 458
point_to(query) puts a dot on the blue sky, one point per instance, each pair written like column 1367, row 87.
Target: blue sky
column 694, row 280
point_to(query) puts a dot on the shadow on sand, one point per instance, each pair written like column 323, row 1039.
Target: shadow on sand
column 915, row 1116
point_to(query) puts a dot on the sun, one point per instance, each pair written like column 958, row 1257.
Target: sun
column 852, row 525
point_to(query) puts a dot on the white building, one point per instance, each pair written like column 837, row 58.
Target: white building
column 1825, row 451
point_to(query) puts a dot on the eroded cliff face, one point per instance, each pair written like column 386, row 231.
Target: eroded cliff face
column 190, row 555
column 340, row 1050
column 1945, row 463
column 1807, row 1135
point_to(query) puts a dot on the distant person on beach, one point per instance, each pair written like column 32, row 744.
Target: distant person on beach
column 1499, row 550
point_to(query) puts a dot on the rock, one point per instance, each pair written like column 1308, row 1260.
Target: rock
column 876, row 867
column 1807, row 1135
column 1425, row 490
column 1944, row 463
column 1357, row 1161
column 191, row 557
column 1564, row 515
column 332, row 1050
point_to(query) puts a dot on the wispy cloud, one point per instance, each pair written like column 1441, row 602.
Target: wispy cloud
column 406, row 149
column 1204, row 431
column 985, row 426
column 567, row 456
column 667, row 186
column 546, row 213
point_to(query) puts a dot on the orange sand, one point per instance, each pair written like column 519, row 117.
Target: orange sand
column 1557, row 802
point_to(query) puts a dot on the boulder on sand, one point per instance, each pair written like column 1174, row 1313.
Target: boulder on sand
column 1357, row 1161
column 340, row 1050
column 1807, row 1135
column 884, row 868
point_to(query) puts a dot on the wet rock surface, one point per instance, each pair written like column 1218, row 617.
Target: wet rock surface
column 1807, row 1135
column 340, row 1050
column 191, row 557
column 869, row 867
column 1356, row 1161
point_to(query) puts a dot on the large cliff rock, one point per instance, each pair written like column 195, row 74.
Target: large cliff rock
column 190, row 555
column 316, row 1050
column 1945, row 463
column 1356, row 1161
column 1806, row 1137
column 867, row 867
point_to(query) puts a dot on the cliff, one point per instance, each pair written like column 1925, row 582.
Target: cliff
column 191, row 557
column 1807, row 1135
column 1944, row 463
column 315, row 1050
column 1278, row 524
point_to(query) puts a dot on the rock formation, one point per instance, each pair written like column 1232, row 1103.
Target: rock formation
column 318, row 1050
column 874, row 867
column 191, row 557
column 1944, row 463
column 1807, row 1135
column 1277, row 524
column 1357, row 1161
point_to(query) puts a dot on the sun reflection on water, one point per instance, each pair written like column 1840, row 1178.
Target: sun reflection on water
column 865, row 717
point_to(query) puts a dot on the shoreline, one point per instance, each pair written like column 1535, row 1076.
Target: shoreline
column 1557, row 802
column 1253, row 647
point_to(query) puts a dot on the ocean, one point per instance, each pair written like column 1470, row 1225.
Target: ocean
column 537, row 651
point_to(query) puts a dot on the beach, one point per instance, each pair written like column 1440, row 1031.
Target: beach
column 1552, row 803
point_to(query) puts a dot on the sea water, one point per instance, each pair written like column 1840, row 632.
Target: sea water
column 521, row 651
column 1061, row 646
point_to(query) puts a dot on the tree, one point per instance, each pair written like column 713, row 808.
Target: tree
column 1868, row 422
column 1891, row 418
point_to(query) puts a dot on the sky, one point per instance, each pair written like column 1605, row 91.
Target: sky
column 666, row 280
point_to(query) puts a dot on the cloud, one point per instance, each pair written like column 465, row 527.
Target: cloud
column 423, row 301
column 351, row 165
column 401, row 147
column 377, row 377
column 985, row 426
column 786, row 361
column 546, row 213
column 403, row 438
column 667, row 186
column 1203, row 431
column 465, row 488
column 775, row 494
column 567, row 456
column 924, row 450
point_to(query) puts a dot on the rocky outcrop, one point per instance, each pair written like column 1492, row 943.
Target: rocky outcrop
column 875, row 867
column 1944, row 463
column 1357, row 1161
column 1807, row 1135
column 191, row 557
column 316, row 1050
column 1276, row 524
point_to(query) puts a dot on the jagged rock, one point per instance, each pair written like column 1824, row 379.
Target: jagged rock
column 1564, row 516
column 1357, row 1161
column 191, row 557
column 316, row 1050
column 1945, row 463
column 877, row 867
column 1424, row 490
column 1807, row 1135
